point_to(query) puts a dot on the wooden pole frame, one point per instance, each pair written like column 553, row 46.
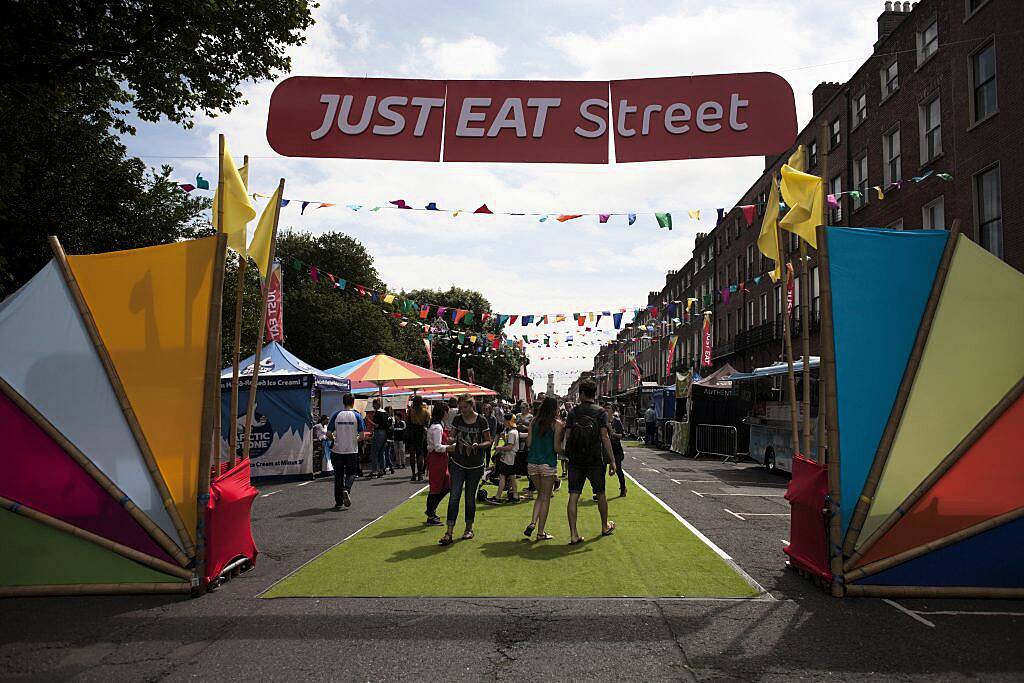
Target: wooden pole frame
column 155, row 532
column 788, row 341
column 251, row 408
column 934, row 592
column 123, row 550
column 828, row 373
column 243, row 263
column 210, row 426
column 122, row 397
column 860, row 512
column 93, row 589
column 937, row 544
column 947, row 463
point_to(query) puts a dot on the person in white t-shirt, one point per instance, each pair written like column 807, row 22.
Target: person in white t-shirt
column 346, row 428
column 321, row 443
column 505, row 447
column 453, row 411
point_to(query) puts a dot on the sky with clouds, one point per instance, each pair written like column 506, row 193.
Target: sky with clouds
column 520, row 264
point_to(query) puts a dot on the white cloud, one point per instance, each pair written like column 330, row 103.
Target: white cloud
column 472, row 57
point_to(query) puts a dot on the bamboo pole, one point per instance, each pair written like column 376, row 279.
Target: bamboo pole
column 805, row 324
column 263, row 322
column 937, row 544
column 93, row 589
column 860, row 513
column 155, row 532
column 120, row 549
column 122, row 397
column 934, row 592
column 788, row 341
column 243, row 263
column 210, row 429
column 828, row 373
column 961, row 449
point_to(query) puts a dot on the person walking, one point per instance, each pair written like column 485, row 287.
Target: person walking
column 438, row 478
column 589, row 446
column 389, row 445
column 466, row 465
column 379, row 440
column 416, row 437
column 321, row 444
column 493, row 425
column 544, row 442
column 651, row 423
column 615, row 433
column 453, row 411
column 399, row 438
column 346, row 431
column 506, row 446
column 523, row 421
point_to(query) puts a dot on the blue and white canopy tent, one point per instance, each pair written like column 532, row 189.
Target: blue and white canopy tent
column 291, row 396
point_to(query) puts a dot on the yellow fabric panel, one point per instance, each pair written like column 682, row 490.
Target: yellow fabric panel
column 152, row 309
column 972, row 358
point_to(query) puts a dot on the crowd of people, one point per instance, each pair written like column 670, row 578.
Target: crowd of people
column 460, row 451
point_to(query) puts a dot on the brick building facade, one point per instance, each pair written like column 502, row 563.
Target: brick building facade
column 940, row 94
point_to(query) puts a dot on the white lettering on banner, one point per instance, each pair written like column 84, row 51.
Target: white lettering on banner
column 602, row 126
column 511, row 115
column 467, row 116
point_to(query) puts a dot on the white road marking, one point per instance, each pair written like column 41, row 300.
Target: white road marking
column 697, row 493
column 785, row 542
column 649, row 469
column 765, row 514
column 270, row 494
column 306, row 483
column 707, row 541
column 416, row 493
column 695, row 481
column 972, row 614
column 734, row 514
column 911, row 613
column 756, row 495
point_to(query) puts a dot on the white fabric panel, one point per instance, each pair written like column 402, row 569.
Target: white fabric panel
column 47, row 357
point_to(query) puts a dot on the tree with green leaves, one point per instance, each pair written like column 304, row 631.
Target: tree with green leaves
column 74, row 72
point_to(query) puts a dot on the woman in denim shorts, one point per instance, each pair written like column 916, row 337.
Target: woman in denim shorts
column 545, row 443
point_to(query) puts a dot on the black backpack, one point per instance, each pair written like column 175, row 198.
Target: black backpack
column 584, row 447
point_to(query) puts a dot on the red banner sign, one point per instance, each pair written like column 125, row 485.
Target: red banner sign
column 705, row 352
column 671, row 353
column 533, row 121
column 275, row 305
column 789, row 291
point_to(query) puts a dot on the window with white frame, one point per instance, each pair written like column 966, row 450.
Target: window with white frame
column 988, row 199
column 927, row 41
column 983, row 83
column 834, row 134
column 860, row 182
column 891, row 171
column 896, row 225
column 815, row 294
column 778, row 303
column 751, row 255
column 751, row 314
column 796, row 297
column 764, row 307
column 812, row 154
column 933, row 215
column 890, row 78
column 835, row 188
column 931, row 130
column 859, row 109
column 740, row 277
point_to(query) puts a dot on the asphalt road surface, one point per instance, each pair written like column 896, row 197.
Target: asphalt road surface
column 793, row 632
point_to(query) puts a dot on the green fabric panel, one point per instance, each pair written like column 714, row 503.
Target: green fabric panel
column 34, row 554
column 972, row 358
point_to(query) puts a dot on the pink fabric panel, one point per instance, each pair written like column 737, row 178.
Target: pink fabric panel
column 38, row 474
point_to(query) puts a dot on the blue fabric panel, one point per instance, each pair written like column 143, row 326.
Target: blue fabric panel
column 992, row 559
column 880, row 283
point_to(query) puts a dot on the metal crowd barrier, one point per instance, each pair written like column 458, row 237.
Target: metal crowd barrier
column 717, row 440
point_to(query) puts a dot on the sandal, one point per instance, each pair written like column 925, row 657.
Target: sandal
column 544, row 536
column 445, row 540
column 468, row 536
column 577, row 541
column 610, row 530
column 529, row 530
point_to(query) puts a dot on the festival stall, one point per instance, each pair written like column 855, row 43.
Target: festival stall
column 291, row 396
column 714, row 402
column 106, row 485
column 924, row 481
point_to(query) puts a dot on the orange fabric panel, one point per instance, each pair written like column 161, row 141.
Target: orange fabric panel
column 988, row 480
column 152, row 309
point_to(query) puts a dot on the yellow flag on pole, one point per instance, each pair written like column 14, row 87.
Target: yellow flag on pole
column 798, row 159
column 768, row 239
column 237, row 210
column 803, row 194
column 259, row 248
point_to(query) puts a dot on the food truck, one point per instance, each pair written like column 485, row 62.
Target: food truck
column 769, row 419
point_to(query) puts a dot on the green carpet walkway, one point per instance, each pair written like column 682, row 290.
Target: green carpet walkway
column 651, row 554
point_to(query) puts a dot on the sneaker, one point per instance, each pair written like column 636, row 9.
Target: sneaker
column 346, row 499
column 337, row 508
column 434, row 521
column 493, row 500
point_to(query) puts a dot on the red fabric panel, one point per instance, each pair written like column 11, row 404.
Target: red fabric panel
column 38, row 474
column 808, row 489
column 987, row 480
column 228, row 524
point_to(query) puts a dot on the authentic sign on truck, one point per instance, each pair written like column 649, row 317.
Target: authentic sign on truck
column 648, row 119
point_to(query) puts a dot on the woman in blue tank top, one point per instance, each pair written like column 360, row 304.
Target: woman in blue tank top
column 545, row 443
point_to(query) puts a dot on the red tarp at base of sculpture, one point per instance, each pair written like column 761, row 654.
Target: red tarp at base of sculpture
column 228, row 520
column 808, row 544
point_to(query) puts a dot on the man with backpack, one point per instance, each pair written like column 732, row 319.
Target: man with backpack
column 589, row 447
